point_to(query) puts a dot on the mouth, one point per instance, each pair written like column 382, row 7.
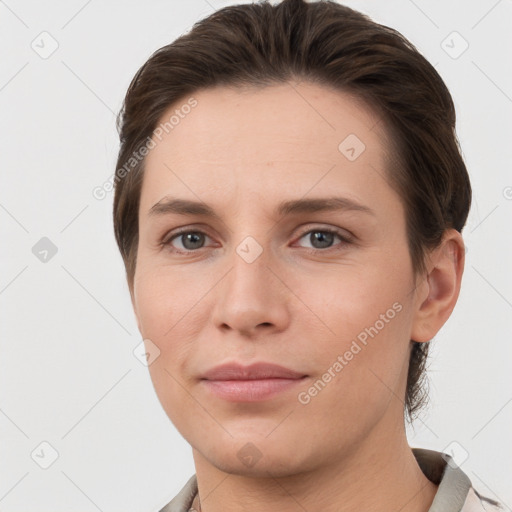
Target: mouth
column 258, row 382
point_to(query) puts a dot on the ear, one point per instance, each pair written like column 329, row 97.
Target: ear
column 439, row 290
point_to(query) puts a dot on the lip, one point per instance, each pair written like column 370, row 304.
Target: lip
column 262, row 370
column 256, row 382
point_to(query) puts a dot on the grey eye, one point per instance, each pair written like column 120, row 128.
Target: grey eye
column 320, row 238
column 190, row 240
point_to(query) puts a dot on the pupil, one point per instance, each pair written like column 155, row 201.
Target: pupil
column 325, row 239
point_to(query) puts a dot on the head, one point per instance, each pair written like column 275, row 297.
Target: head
column 256, row 107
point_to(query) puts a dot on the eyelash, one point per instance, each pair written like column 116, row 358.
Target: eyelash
column 345, row 240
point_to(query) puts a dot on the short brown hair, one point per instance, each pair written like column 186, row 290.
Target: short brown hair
column 328, row 44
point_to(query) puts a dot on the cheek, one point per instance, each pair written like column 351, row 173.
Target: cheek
column 171, row 326
column 360, row 374
column 166, row 300
column 369, row 336
column 353, row 300
column 366, row 347
column 168, row 308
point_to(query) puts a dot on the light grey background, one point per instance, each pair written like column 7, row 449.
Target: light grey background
column 68, row 373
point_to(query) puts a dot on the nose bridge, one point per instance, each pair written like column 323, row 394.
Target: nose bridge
column 250, row 294
column 249, row 261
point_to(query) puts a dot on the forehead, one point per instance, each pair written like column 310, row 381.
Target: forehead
column 272, row 141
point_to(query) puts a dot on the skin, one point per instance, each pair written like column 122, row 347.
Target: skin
column 299, row 304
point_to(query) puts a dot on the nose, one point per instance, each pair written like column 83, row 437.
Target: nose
column 252, row 298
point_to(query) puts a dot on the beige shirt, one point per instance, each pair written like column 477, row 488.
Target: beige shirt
column 454, row 494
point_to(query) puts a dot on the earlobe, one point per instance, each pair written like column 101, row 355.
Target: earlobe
column 441, row 287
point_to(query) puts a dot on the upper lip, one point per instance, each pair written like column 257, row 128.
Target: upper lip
column 262, row 370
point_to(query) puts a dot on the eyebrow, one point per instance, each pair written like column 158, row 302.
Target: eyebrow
column 169, row 205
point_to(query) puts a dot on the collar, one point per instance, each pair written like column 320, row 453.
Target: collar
column 453, row 484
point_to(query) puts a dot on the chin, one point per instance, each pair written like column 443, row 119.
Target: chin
column 258, row 455
column 262, row 466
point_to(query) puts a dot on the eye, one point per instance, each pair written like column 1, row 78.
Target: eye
column 186, row 241
column 320, row 239
column 324, row 238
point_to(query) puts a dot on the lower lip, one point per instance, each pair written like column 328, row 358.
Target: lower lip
column 250, row 390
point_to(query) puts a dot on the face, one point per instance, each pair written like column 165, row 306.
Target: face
column 295, row 254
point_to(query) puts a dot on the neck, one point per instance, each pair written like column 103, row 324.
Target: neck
column 379, row 475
